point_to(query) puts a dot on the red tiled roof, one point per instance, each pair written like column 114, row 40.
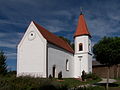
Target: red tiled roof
column 81, row 27
column 54, row 39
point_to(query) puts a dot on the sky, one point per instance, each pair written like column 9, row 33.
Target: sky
column 59, row 17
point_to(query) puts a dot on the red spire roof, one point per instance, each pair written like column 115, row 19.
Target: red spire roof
column 81, row 27
column 51, row 38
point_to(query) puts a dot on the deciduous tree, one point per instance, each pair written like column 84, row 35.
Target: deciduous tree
column 107, row 51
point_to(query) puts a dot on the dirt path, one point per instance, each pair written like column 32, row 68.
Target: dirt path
column 104, row 80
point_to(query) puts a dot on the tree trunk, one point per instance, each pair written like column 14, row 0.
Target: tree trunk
column 107, row 84
column 117, row 71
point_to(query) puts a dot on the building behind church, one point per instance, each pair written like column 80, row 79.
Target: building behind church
column 40, row 53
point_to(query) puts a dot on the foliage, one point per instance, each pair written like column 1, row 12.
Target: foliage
column 118, row 81
column 50, row 76
column 107, row 51
column 90, row 88
column 83, row 75
column 30, row 83
column 60, row 75
column 70, row 82
column 92, row 76
column 3, row 66
column 68, row 41
column 65, row 39
column 73, row 46
column 11, row 74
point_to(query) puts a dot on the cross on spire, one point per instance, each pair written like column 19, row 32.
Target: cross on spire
column 81, row 9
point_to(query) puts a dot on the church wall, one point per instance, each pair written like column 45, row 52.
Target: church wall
column 81, row 63
column 57, row 57
column 90, row 62
column 84, row 40
column 31, row 58
column 82, row 59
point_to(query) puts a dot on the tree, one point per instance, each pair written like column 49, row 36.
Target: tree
column 107, row 51
column 68, row 41
column 3, row 66
column 65, row 39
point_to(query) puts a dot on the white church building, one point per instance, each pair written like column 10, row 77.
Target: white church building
column 40, row 53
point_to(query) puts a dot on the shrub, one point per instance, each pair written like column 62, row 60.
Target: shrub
column 50, row 76
column 92, row 76
column 83, row 75
column 29, row 83
column 60, row 75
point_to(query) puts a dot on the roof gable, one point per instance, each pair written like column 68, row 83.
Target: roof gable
column 52, row 38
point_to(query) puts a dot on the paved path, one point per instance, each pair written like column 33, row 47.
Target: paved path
column 104, row 80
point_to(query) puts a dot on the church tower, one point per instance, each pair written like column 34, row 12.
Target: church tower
column 83, row 54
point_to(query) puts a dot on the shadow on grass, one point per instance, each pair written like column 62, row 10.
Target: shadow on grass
column 110, row 84
column 52, row 87
column 48, row 87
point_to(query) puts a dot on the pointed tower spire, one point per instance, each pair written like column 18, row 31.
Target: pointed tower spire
column 81, row 27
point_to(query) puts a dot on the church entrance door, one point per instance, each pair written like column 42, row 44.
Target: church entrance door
column 54, row 71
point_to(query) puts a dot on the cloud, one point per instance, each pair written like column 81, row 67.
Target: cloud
column 11, row 55
column 58, row 16
column 11, row 67
column 11, row 22
column 2, row 35
column 64, row 13
column 8, row 40
column 7, row 45
column 105, row 20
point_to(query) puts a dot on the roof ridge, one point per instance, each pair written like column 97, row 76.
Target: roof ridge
column 54, row 39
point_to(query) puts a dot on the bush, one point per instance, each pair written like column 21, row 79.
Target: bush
column 60, row 75
column 50, row 76
column 92, row 76
column 83, row 75
column 29, row 83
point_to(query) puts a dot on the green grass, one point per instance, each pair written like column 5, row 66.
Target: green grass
column 93, row 88
column 118, row 81
column 29, row 83
column 72, row 82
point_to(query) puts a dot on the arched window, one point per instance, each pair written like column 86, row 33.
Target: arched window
column 80, row 47
column 67, row 65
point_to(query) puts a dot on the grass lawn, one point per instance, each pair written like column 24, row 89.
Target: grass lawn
column 118, row 81
column 72, row 82
column 114, row 86
column 28, row 83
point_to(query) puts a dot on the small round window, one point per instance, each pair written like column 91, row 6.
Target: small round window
column 31, row 35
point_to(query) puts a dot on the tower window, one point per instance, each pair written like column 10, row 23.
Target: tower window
column 80, row 47
column 67, row 65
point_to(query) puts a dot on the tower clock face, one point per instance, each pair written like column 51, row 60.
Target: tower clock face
column 31, row 35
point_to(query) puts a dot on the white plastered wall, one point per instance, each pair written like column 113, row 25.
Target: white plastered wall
column 31, row 54
column 58, row 56
column 82, row 59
